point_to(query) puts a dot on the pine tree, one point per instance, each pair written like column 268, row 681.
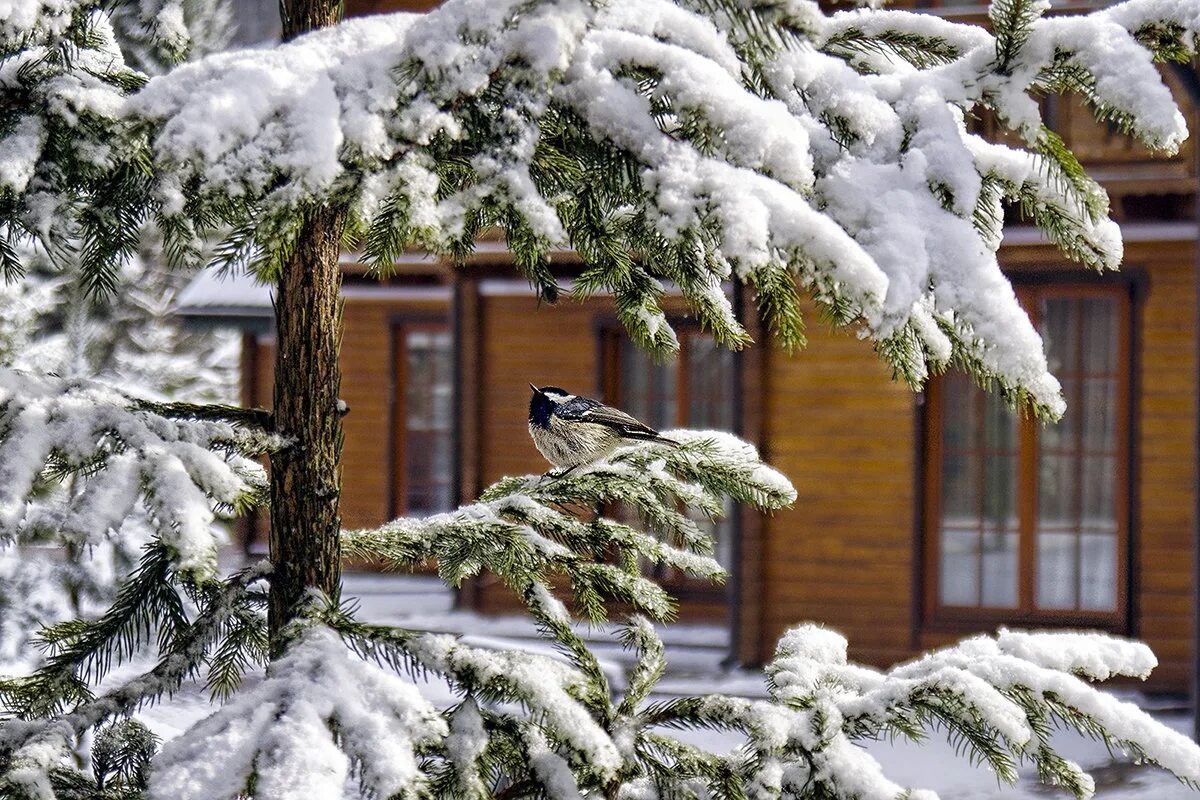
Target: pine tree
column 49, row 324
column 695, row 142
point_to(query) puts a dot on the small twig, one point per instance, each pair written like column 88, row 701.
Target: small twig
column 255, row 417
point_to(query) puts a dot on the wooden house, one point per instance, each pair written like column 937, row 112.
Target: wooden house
column 921, row 517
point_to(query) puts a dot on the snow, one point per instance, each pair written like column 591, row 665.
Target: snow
column 281, row 730
column 247, row 116
column 19, row 152
column 694, row 654
column 181, row 468
column 212, row 288
column 848, row 168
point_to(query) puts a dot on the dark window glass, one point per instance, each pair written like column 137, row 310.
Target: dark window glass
column 693, row 391
column 428, row 383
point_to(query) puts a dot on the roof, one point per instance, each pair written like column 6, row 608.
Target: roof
column 226, row 298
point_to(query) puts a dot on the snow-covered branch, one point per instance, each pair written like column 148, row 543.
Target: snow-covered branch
column 528, row 531
column 38, row 742
column 697, row 142
column 182, row 461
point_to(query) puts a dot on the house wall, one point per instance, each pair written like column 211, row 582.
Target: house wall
column 843, row 432
column 366, row 362
column 1167, row 480
column 848, row 437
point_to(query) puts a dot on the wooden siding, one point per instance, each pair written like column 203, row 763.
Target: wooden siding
column 842, row 431
column 1164, row 535
column 366, row 389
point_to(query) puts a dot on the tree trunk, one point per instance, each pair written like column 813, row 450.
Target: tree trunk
column 306, row 475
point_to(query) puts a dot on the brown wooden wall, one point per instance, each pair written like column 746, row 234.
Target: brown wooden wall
column 367, row 389
column 1167, row 482
column 842, row 430
column 846, row 435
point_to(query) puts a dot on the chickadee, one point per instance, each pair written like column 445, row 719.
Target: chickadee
column 571, row 431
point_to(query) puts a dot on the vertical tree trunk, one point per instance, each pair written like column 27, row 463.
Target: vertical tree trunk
column 306, row 475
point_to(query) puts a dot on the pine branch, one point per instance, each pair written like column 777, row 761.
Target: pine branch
column 81, row 653
column 253, row 418
column 920, row 50
column 1012, row 22
column 29, row 750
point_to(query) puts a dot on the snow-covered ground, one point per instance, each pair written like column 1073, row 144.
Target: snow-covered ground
column 695, row 655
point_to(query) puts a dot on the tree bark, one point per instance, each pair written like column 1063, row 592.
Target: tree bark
column 306, row 474
column 301, row 16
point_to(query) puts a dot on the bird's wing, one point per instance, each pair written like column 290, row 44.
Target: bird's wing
column 618, row 419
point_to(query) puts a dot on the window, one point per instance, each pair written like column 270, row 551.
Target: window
column 694, row 391
column 1025, row 521
column 423, row 472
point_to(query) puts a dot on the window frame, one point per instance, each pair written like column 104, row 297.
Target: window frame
column 400, row 326
column 609, row 335
column 937, row 616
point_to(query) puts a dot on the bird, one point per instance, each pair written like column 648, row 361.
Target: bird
column 570, row 430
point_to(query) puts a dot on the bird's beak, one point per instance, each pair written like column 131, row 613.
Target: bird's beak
column 535, row 389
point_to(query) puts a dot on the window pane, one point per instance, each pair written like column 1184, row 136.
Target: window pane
column 960, row 480
column 1056, row 570
column 999, row 492
column 710, row 406
column 1098, row 580
column 428, row 412
column 1060, row 334
column 1056, row 489
column 1077, row 520
column 647, row 387
column 979, row 485
column 710, row 384
column 1098, row 507
column 959, row 567
column 1000, row 428
column 1099, row 420
column 1099, row 335
column 958, row 414
column 1000, row 569
column 1062, row 436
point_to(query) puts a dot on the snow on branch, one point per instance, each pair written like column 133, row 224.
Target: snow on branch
column 697, row 142
column 531, row 724
column 529, row 530
column 325, row 717
column 37, row 738
column 1001, row 697
column 998, row 697
column 75, row 458
column 320, row 717
column 336, row 708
